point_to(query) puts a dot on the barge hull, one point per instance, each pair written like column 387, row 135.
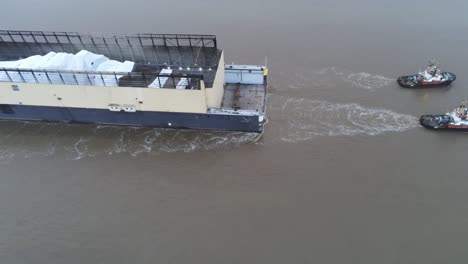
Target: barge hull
column 227, row 122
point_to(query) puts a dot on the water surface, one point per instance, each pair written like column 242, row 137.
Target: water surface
column 342, row 174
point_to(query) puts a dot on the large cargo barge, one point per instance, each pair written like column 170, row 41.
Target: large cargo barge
column 171, row 81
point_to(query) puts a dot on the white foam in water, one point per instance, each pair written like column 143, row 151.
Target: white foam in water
column 369, row 81
column 80, row 148
column 137, row 141
column 360, row 80
column 306, row 119
column 75, row 142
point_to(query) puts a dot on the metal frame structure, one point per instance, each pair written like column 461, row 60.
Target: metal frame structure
column 168, row 40
column 185, row 51
column 156, row 49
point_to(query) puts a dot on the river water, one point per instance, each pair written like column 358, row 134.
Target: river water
column 342, row 174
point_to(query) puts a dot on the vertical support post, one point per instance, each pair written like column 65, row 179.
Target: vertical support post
column 120, row 51
column 47, row 41
column 11, row 37
column 12, row 41
column 145, row 83
column 89, row 79
column 142, row 49
column 76, row 80
column 9, row 77
column 48, row 78
column 59, row 42
column 26, row 43
column 130, row 80
column 107, row 47
column 61, row 78
column 21, row 75
column 198, row 55
column 116, row 79
column 83, row 46
column 102, row 78
column 168, row 53
column 131, row 49
column 69, row 40
column 34, row 75
column 94, row 45
column 155, row 50
column 38, row 44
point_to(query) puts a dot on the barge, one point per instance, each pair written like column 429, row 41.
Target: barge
column 152, row 80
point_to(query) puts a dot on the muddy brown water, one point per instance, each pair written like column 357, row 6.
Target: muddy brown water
column 342, row 174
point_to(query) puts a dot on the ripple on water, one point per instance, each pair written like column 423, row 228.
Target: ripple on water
column 332, row 76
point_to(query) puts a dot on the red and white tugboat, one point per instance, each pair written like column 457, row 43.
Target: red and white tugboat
column 432, row 76
column 455, row 120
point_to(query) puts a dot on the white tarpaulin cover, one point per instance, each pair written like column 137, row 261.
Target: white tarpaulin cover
column 183, row 83
column 82, row 61
column 112, row 66
column 159, row 82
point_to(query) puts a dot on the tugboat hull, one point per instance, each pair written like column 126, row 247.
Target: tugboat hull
column 442, row 122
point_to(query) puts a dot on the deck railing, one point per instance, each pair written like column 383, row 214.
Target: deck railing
column 111, row 79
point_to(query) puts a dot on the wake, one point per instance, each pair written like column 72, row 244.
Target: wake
column 363, row 80
column 305, row 119
column 75, row 142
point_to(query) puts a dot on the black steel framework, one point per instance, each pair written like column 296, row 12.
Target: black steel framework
column 156, row 49
column 168, row 40
column 194, row 57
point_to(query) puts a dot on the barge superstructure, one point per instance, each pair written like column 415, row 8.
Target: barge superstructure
column 175, row 81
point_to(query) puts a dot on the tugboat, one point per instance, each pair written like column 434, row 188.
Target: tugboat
column 432, row 76
column 455, row 120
